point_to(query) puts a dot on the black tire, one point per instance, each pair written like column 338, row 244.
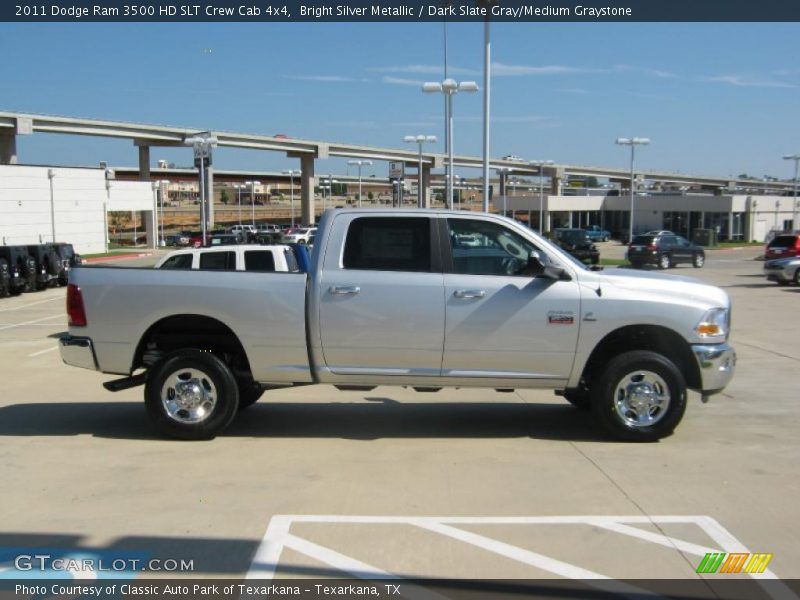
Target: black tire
column 249, row 393
column 664, row 261
column 217, row 383
column 657, row 374
column 698, row 260
column 580, row 399
column 796, row 277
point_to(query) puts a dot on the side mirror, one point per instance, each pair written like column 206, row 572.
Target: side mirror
column 537, row 268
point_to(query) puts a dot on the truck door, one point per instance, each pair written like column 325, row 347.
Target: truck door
column 382, row 298
column 501, row 323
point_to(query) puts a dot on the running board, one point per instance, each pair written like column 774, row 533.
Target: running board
column 117, row 385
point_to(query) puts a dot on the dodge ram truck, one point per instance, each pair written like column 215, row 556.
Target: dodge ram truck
column 397, row 297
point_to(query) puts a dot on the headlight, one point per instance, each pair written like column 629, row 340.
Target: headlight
column 715, row 323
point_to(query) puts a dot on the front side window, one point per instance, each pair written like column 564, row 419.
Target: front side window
column 389, row 244
column 218, row 261
column 179, row 261
column 487, row 248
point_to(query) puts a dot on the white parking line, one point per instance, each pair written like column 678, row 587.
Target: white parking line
column 31, row 304
column 266, row 560
column 4, row 327
column 43, row 352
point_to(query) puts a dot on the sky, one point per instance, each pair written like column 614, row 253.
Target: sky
column 714, row 98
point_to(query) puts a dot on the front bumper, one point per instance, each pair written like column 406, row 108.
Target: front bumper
column 78, row 352
column 716, row 363
column 780, row 275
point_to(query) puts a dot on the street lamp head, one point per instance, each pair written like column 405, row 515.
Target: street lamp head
column 623, row 141
column 449, row 85
column 791, row 157
column 468, row 86
column 420, row 139
column 633, row 141
column 431, row 87
column 642, row 141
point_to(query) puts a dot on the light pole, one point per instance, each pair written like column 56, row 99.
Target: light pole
column 796, row 159
column 541, row 164
column 291, row 173
column 239, row 187
column 360, row 164
column 161, row 188
column 419, row 140
column 154, row 221
column 253, row 185
column 449, row 87
column 632, row 142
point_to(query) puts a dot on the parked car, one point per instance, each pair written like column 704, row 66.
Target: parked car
column 298, row 235
column 226, row 239
column 245, row 257
column 69, row 259
column 783, row 271
column 659, row 232
column 267, row 233
column 597, row 234
column 196, row 239
column 248, row 232
column 664, row 251
column 21, row 268
column 577, row 243
column 207, row 344
column 48, row 264
column 784, row 245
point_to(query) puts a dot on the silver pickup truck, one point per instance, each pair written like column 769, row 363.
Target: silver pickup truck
column 426, row 299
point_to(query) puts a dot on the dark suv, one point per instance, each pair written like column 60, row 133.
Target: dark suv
column 577, row 243
column 48, row 264
column 785, row 245
column 664, row 251
column 69, row 259
column 17, row 270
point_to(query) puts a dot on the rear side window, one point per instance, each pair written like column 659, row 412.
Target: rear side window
column 259, row 260
column 180, row 261
column 642, row 240
column 218, row 261
column 389, row 244
column 783, row 241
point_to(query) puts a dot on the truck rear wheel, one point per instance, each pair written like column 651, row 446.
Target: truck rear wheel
column 191, row 395
column 640, row 397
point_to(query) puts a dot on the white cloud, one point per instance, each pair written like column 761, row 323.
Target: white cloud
column 402, row 81
column 424, row 70
column 504, row 70
column 746, row 81
column 322, row 78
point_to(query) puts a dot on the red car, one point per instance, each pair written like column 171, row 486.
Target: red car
column 196, row 239
column 785, row 245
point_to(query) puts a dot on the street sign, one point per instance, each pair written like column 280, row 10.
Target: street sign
column 396, row 170
column 202, row 151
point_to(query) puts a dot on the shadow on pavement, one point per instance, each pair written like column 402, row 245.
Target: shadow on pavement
column 381, row 418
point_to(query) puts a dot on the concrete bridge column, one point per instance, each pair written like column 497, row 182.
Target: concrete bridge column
column 146, row 216
column 556, row 181
column 425, row 182
column 8, row 148
column 307, row 180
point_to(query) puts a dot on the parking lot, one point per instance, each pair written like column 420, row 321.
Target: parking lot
column 461, row 483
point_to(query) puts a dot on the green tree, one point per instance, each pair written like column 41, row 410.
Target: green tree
column 223, row 197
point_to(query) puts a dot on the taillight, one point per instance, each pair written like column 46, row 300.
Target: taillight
column 75, row 312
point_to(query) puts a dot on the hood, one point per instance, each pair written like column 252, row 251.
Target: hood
column 665, row 285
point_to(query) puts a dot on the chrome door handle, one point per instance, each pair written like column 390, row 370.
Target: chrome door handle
column 345, row 290
column 469, row 294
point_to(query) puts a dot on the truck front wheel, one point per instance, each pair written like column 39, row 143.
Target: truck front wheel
column 640, row 397
column 191, row 395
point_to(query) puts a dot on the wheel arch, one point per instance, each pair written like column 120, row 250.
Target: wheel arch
column 176, row 332
column 654, row 338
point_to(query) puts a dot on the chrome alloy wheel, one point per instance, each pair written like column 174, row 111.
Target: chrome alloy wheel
column 641, row 399
column 188, row 396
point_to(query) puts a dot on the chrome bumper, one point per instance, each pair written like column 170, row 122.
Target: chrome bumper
column 78, row 352
column 716, row 363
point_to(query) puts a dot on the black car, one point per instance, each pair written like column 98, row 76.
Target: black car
column 69, row 259
column 48, row 264
column 577, row 243
column 664, row 251
column 20, row 268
